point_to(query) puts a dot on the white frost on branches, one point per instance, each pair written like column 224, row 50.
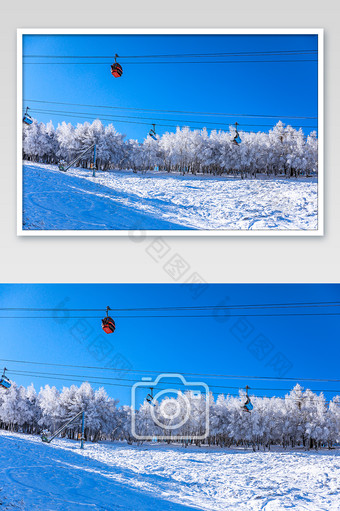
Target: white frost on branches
column 301, row 418
column 282, row 151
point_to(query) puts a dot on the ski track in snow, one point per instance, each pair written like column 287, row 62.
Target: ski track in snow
column 152, row 477
column 119, row 200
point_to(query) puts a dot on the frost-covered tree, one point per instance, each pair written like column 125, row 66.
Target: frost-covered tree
column 49, row 404
column 282, row 151
column 301, row 418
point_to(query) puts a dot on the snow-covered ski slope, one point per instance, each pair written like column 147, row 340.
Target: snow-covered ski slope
column 122, row 200
column 107, row 477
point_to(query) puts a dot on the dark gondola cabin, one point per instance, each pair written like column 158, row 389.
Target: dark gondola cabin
column 108, row 325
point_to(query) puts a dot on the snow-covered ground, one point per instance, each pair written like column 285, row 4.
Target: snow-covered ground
column 122, row 200
column 59, row 476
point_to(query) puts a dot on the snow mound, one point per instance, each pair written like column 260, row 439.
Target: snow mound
column 122, row 200
column 154, row 477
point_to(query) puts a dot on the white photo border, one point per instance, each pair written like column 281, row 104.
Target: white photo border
column 174, row 31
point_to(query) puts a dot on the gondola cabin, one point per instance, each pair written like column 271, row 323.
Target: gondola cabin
column 27, row 119
column 152, row 132
column 108, row 325
column 4, row 381
column 149, row 397
column 116, row 70
column 237, row 139
column 247, row 407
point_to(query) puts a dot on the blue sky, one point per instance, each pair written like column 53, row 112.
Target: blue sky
column 283, row 88
column 309, row 344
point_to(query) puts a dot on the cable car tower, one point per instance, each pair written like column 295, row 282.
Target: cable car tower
column 81, row 414
column 63, row 166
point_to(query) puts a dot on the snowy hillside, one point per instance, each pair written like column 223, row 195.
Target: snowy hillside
column 59, row 476
column 121, row 200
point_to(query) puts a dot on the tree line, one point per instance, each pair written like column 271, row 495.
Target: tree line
column 301, row 418
column 283, row 151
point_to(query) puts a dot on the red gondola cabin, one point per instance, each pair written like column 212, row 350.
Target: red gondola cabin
column 116, row 70
column 108, row 325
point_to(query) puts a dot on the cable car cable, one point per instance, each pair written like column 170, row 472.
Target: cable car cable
column 186, row 316
column 65, row 377
column 146, row 63
column 168, row 111
column 113, row 120
column 107, row 117
column 231, row 306
column 285, row 398
column 219, row 54
column 210, row 375
column 162, row 125
column 47, row 374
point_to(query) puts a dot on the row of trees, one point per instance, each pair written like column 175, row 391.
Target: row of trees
column 282, row 151
column 301, row 418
